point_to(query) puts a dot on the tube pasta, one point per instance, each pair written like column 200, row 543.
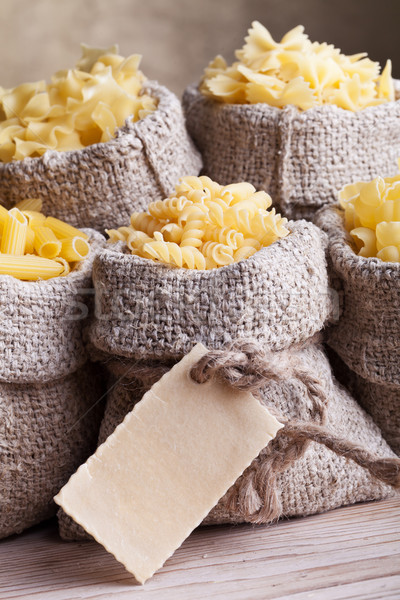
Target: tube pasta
column 29, row 268
column 30, row 241
column 34, row 218
column 31, row 247
column 298, row 72
column 203, row 225
column 372, row 216
column 74, row 249
column 63, row 230
column 65, row 265
column 34, row 204
column 3, row 217
column 46, row 243
column 14, row 233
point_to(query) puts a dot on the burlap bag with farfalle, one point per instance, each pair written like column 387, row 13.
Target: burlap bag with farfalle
column 301, row 158
column 101, row 185
column 258, row 318
column 50, row 396
column 366, row 337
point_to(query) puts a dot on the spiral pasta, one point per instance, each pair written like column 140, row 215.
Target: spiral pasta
column 204, row 225
column 372, row 216
column 80, row 106
column 296, row 71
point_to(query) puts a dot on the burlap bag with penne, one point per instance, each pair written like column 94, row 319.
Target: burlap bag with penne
column 96, row 144
column 296, row 119
column 366, row 337
column 258, row 317
column 50, row 395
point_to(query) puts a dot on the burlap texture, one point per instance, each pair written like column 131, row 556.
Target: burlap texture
column 366, row 337
column 47, row 389
column 168, row 310
column 279, row 296
column 301, row 158
column 381, row 401
column 101, row 185
column 46, row 431
column 41, row 333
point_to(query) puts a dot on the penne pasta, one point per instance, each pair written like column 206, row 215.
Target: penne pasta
column 34, row 218
column 74, row 249
column 65, row 265
column 14, row 233
column 30, row 204
column 63, row 230
column 46, row 243
column 28, row 267
column 30, row 240
column 3, row 217
column 31, row 250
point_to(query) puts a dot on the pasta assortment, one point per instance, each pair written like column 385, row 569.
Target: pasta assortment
column 80, row 106
column 297, row 71
column 204, row 225
column 34, row 246
column 372, row 216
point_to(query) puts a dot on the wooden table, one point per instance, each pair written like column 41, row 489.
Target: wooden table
column 350, row 553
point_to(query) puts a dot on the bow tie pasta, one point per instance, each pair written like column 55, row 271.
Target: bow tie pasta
column 296, row 71
column 372, row 216
column 204, row 225
column 80, row 107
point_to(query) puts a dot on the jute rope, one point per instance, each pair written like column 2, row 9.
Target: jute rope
column 245, row 365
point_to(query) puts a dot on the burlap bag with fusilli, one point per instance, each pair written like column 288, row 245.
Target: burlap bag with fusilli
column 101, row 185
column 49, row 394
column 150, row 315
column 301, row 158
column 366, row 337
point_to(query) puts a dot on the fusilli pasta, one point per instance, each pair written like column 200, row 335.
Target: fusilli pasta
column 204, row 225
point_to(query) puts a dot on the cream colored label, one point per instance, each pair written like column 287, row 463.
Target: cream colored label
column 164, row 468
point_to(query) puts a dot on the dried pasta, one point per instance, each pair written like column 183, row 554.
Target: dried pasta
column 13, row 238
column 297, row 71
column 80, row 107
column 31, row 204
column 204, row 225
column 34, row 246
column 46, row 243
column 372, row 216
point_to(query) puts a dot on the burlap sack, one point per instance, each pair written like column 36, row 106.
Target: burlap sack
column 49, row 394
column 300, row 158
column 46, row 431
column 145, row 310
column 101, row 185
column 366, row 337
column 150, row 315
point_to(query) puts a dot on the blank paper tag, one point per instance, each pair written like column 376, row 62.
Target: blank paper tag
column 166, row 466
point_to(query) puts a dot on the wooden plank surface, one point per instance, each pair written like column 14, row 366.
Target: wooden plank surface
column 351, row 553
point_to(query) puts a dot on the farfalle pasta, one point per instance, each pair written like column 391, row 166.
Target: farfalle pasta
column 204, row 225
column 296, row 71
column 372, row 216
column 80, row 107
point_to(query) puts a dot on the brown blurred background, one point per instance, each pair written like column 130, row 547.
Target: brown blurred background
column 177, row 38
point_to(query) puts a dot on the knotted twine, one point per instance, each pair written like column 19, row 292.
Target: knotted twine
column 245, row 365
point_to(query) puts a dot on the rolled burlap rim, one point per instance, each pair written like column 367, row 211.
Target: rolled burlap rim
column 245, row 365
